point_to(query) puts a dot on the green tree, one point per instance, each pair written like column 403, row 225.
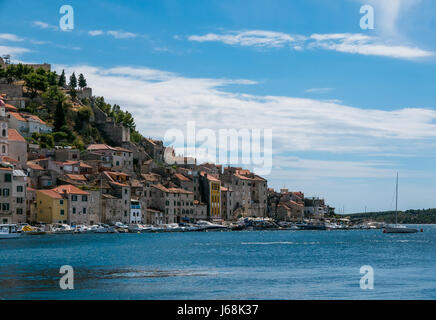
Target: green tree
column 62, row 81
column 35, row 81
column 82, row 81
column 52, row 96
column 59, row 117
column 73, row 85
column 73, row 81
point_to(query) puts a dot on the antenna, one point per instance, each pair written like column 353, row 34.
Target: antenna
column 7, row 58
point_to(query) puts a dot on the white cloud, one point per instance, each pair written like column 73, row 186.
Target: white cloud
column 113, row 33
column 10, row 37
column 122, row 34
column 95, row 32
column 259, row 38
column 44, row 25
column 366, row 45
column 161, row 100
column 12, row 50
column 342, row 42
column 319, row 90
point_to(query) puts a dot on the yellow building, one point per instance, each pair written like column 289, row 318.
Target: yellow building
column 213, row 195
column 51, row 207
column 215, row 198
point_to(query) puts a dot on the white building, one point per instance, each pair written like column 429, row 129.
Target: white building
column 135, row 211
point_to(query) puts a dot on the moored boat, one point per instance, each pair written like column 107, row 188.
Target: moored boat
column 9, row 231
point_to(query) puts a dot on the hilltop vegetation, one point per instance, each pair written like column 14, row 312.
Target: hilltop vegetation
column 420, row 216
column 56, row 102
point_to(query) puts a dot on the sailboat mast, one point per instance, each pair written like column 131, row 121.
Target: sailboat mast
column 396, row 202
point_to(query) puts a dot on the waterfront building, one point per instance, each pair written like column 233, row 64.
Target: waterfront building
column 176, row 204
column 77, row 204
column 210, row 187
column 249, row 191
column 135, row 211
column 51, row 207
column 6, row 172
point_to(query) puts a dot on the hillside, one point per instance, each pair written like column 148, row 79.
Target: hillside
column 65, row 106
column 421, row 216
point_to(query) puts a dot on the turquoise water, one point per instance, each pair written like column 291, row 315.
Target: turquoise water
column 221, row 265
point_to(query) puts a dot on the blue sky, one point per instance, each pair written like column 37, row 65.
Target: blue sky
column 348, row 107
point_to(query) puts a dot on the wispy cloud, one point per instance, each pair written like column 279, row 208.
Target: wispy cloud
column 10, row 37
column 259, row 38
column 13, row 50
column 44, row 25
column 114, row 33
column 319, row 90
column 355, row 43
column 159, row 97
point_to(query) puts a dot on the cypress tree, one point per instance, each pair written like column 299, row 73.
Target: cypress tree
column 82, row 81
column 59, row 116
column 62, row 81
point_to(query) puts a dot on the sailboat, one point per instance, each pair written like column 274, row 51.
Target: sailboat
column 397, row 228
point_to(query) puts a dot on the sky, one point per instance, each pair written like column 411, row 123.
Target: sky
column 348, row 107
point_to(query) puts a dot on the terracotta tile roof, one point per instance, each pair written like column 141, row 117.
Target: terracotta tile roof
column 8, row 159
column 101, row 146
column 84, row 165
column 181, row 177
column 78, row 177
column 151, row 177
column 160, row 187
column 38, row 119
column 209, row 176
column 13, row 135
column 50, row 193
column 17, row 116
column 69, row 189
column 122, row 149
column 34, row 166
column 118, row 184
column 11, row 107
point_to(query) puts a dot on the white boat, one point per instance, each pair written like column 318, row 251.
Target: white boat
column 139, row 228
column 62, row 228
column 210, row 226
column 82, row 229
column 9, row 231
column 397, row 228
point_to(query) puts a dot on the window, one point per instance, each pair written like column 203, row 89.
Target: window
column 20, row 189
column 62, row 212
column 6, row 192
column 19, row 200
column 61, row 201
column 73, row 197
column 8, row 177
column 84, row 210
column 19, row 210
column 5, row 206
column 74, row 210
column 84, row 198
